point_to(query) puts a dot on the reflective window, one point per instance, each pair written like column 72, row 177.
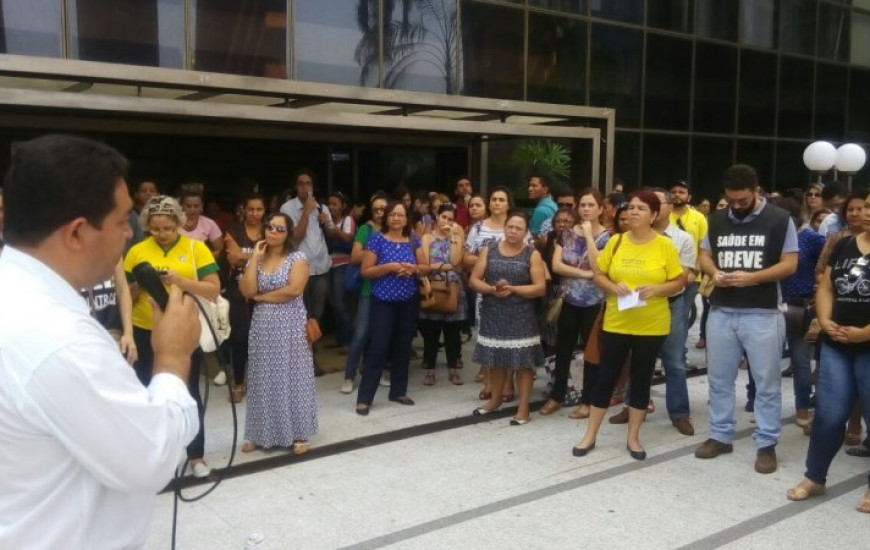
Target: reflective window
column 833, row 32
column 757, row 19
column 570, row 6
column 757, row 95
column 138, row 32
column 620, row 10
column 830, row 102
column 665, row 158
column 615, row 72
column 557, row 60
column 716, row 19
column 668, row 82
column 859, row 106
column 248, row 38
column 790, row 169
column 337, row 41
column 30, row 28
column 420, row 54
column 860, row 51
column 626, row 158
column 673, row 15
column 757, row 153
column 797, row 26
column 492, row 54
column 715, row 87
column 795, row 98
column 710, row 158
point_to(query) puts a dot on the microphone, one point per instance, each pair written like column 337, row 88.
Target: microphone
column 149, row 279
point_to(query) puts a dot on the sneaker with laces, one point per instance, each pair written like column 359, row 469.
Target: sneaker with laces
column 765, row 460
column 712, row 448
column 346, row 386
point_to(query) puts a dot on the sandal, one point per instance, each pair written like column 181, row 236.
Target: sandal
column 508, row 397
column 801, row 492
column 429, row 379
column 580, row 412
column 249, row 447
column 299, row 447
column 852, row 440
column 456, row 378
column 864, row 505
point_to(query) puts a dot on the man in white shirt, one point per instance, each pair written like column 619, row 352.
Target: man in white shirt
column 311, row 225
column 84, row 446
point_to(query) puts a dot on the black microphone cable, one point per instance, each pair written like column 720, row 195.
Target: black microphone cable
column 218, row 477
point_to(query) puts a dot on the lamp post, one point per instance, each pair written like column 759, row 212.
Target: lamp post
column 819, row 157
column 850, row 159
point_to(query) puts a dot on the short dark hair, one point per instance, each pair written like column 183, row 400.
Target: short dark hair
column 857, row 194
column 392, row 205
column 792, row 206
column 615, row 198
column 290, row 243
column 562, row 191
column 545, row 178
column 446, row 207
column 55, row 179
column 517, row 213
column 740, row 177
column 305, row 172
column 253, row 196
column 647, row 196
column 191, row 189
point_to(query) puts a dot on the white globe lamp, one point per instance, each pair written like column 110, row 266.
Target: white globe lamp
column 850, row 159
column 819, row 157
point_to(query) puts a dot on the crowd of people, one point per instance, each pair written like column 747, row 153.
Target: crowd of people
column 614, row 277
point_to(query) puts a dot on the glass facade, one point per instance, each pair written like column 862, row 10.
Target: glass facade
column 696, row 84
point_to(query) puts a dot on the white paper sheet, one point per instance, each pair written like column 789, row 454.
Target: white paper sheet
column 629, row 301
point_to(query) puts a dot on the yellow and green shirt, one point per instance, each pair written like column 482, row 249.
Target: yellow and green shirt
column 189, row 258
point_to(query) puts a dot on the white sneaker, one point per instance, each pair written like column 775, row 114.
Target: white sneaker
column 346, row 386
column 385, row 380
column 201, row 470
column 220, row 379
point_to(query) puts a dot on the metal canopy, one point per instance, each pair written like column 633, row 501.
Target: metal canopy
column 86, row 86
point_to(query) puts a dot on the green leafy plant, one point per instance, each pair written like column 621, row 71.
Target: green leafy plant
column 544, row 156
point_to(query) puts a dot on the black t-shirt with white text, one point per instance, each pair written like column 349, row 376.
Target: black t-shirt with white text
column 103, row 302
column 850, row 285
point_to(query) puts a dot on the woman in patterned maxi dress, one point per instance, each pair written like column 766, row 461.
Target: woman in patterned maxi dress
column 282, row 407
column 509, row 275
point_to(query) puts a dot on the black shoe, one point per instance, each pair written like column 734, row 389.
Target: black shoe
column 861, row 452
column 403, row 400
column 788, row 372
column 577, row 451
column 637, row 455
column 362, row 412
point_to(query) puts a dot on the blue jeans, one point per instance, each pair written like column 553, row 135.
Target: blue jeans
column 760, row 336
column 360, row 338
column 844, row 376
column 801, row 355
column 397, row 323
column 674, row 362
column 338, row 299
column 688, row 299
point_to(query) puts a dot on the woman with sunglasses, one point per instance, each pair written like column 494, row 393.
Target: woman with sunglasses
column 360, row 339
column 282, row 407
column 813, row 201
column 186, row 263
column 393, row 260
column 239, row 243
column 843, row 309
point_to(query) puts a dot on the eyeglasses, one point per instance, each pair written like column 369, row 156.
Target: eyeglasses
column 814, row 194
column 397, row 215
column 276, row 228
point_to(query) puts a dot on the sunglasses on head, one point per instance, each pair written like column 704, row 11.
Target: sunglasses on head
column 276, row 228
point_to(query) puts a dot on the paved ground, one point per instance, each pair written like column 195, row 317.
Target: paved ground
column 432, row 476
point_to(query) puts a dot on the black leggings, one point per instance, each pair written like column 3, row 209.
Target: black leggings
column 240, row 321
column 431, row 331
column 614, row 350
column 704, row 315
column 144, row 367
column 574, row 322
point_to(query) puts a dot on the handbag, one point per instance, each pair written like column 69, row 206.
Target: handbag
column 592, row 349
column 214, row 314
column 312, row 330
column 440, row 296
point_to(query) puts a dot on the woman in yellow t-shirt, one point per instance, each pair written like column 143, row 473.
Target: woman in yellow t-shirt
column 637, row 270
column 187, row 264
